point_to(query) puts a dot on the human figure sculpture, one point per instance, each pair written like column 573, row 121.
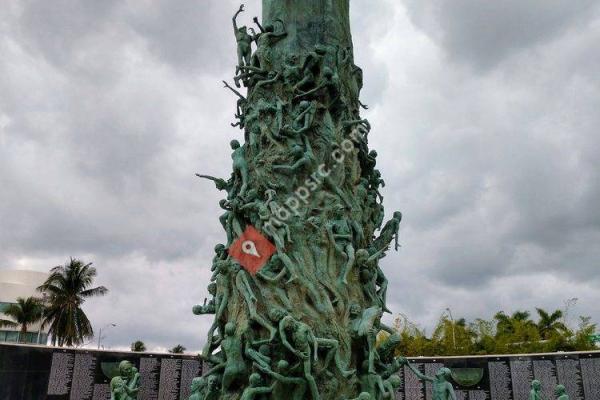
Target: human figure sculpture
column 240, row 104
column 278, row 230
column 264, row 41
column 385, row 359
column 250, row 75
column 269, row 224
column 126, row 385
column 300, row 160
column 340, row 235
column 391, row 386
column 240, row 166
column 304, row 119
column 308, row 162
column 371, row 382
column 230, row 219
column 243, row 286
column 254, row 389
column 220, row 254
column 369, row 164
column 244, row 41
column 213, row 389
column 223, row 280
column 198, row 388
column 304, row 344
column 277, row 221
column 442, row 389
column 301, row 341
column 292, row 72
column 235, row 367
column 331, row 82
column 220, row 183
column 536, row 390
column 273, row 273
column 271, row 78
column 372, row 276
column 561, row 392
column 388, row 233
column 256, row 356
column 209, row 308
column 310, row 68
column 364, row 329
column 375, row 181
column 285, row 386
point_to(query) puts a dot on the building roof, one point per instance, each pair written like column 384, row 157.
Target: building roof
column 19, row 283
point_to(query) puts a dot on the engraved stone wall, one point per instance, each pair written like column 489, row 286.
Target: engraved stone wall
column 39, row 373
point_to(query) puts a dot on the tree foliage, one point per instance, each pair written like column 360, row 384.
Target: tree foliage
column 67, row 287
column 138, row 346
column 24, row 312
column 503, row 334
column 179, row 349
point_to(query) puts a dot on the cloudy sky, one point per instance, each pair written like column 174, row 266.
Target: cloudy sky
column 485, row 115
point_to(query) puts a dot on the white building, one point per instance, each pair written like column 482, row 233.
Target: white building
column 15, row 284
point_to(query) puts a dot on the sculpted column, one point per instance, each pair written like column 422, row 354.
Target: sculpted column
column 298, row 291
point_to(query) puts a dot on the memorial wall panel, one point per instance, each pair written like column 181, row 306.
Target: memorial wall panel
column 45, row 373
column 509, row 377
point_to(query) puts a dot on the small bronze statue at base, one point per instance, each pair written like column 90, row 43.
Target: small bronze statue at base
column 442, row 388
column 561, row 392
column 126, row 385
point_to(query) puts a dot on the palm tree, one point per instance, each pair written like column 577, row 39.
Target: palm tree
column 549, row 325
column 179, row 349
column 24, row 313
column 507, row 325
column 138, row 346
column 68, row 286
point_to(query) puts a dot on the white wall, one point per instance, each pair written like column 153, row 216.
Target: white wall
column 19, row 283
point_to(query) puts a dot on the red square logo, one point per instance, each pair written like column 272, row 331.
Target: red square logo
column 252, row 250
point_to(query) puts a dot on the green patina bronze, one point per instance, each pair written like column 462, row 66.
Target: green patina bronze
column 441, row 388
column 467, row 376
column 536, row 390
column 304, row 326
column 561, row 392
column 126, row 385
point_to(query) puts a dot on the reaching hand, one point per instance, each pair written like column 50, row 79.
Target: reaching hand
column 241, row 8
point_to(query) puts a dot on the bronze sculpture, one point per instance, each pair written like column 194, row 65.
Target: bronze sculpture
column 303, row 323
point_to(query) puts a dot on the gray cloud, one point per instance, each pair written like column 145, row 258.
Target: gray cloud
column 107, row 109
column 484, row 33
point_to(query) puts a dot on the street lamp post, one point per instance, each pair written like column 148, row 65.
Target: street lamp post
column 453, row 331
column 100, row 332
column 568, row 304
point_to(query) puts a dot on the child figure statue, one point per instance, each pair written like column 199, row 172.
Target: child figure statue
column 561, row 392
column 126, row 385
column 536, row 391
column 442, row 388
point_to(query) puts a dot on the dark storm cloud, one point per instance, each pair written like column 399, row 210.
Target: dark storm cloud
column 108, row 108
column 483, row 33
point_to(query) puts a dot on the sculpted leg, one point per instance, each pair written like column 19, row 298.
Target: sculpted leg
column 349, row 263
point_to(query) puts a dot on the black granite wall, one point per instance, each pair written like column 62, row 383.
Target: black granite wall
column 38, row 373
column 509, row 377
